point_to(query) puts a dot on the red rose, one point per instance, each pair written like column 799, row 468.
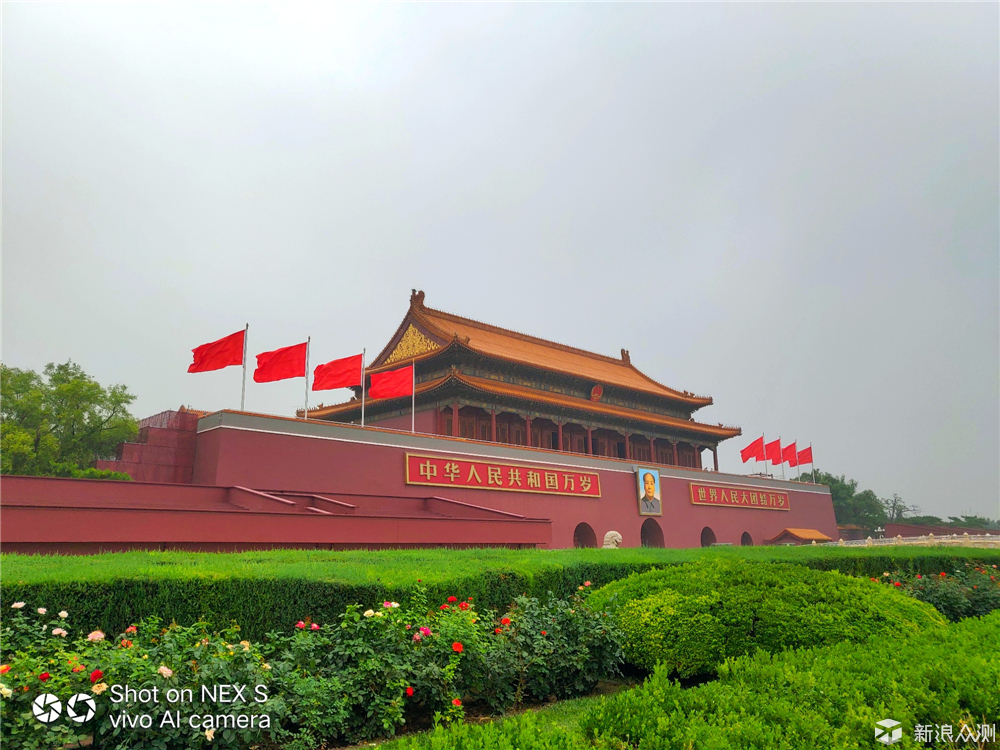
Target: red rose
column 4, row 668
column 897, row 583
column 44, row 676
column 919, row 576
column 300, row 624
column 497, row 630
column 544, row 633
column 126, row 643
column 943, row 574
column 131, row 629
column 409, row 691
column 463, row 606
column 456, row 702
column 457, row 647
column 314, row 626
column 452, row 599
column 96, row 675
column 470, row 598
column 505, row 621
column 444, row 606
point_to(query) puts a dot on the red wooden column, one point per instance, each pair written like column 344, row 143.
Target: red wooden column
column 715, row 456
column 628, row 449
column 652, row 451
column 559, row 425
column 674, row 447
column 697, row 457
column 493, row 425
column 454, row 419
column 590, row 441
column 527, row 431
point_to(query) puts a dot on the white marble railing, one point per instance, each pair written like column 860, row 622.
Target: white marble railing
column 948, row 540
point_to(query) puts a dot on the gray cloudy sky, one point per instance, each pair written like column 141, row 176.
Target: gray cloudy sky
column 792, row 208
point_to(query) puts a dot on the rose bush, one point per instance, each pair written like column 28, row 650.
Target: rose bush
column 359, row 678
column 971, row 590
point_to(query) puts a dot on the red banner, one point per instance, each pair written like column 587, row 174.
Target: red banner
column 738, row 497
column 436, row 471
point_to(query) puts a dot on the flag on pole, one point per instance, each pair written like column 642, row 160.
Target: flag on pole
column 340, row 373
column 755, row 450
column 281, row 364
column 772, row 452
column 789, row 454
column 393, row 383
column 225, row 352
column 805, row 456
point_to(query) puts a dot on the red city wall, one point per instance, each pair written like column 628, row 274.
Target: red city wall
column 269, row 459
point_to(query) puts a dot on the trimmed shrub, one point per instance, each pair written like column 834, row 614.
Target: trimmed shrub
column 523, row 732
column 256, row 589
column 692, row 617
column 831, row 696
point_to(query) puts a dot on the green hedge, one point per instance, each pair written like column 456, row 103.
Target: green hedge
column 690, row 618
column 266, row 591
column 828, row 697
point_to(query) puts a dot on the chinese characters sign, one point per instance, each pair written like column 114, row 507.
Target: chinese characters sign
column 738, row 497
column 436, row 471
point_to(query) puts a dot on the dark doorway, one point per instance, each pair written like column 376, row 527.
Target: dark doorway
column 651, row 534
column 707, row 537
column 584, row 536
column 746, row 540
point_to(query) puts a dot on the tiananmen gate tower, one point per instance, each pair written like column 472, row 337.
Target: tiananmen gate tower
column 515, row 442
column 481, row 382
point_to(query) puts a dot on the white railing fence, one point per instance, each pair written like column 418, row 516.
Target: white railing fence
column 986, row 541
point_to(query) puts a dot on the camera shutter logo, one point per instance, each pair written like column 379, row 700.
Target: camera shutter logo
column 46, row 708
column 889, row 733
column 81, row 708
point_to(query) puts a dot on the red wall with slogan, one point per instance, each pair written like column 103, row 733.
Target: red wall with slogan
column 379, row 462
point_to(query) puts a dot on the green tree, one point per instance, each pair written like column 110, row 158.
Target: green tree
column 58, row 423
column 850, row 506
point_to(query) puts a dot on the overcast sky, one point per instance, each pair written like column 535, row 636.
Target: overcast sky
column 791, row 208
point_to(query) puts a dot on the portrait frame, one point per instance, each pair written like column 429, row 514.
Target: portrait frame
column 640, row 480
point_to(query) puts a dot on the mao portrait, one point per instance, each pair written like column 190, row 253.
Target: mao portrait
column 649, row 492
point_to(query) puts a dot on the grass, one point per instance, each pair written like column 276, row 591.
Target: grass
column 560, row 715
column 405, row 567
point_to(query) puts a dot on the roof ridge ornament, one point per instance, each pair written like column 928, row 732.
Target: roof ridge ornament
column 625, row 357
column 416, row 298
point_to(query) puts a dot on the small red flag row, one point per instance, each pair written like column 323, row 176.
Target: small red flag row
column 290, row 362
column 758, row 450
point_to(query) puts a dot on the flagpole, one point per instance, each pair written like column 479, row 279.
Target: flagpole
column 764, row 438
column 782, row 459
column 812, row 463
column 363, row 387
column 798, row 467
column 305, row 412
column 413, row 398
column 243, row 394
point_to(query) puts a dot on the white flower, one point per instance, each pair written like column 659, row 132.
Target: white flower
column 5, row 691
column 166, row 671
column 42, row 610
column 64, row 614
column 17, row 605
column 59, row 631
column 369, row 612
column 210, row 733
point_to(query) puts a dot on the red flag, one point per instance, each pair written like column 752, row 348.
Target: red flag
column 340, row 373
column 391, row 384
column 772, row 452
column 755, row 450
column 805, row 456
column 788, row 453
column 222, row 353
column 281, row 364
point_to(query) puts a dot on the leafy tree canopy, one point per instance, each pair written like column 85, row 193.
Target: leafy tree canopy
column 869, row 511
column 58, row 423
